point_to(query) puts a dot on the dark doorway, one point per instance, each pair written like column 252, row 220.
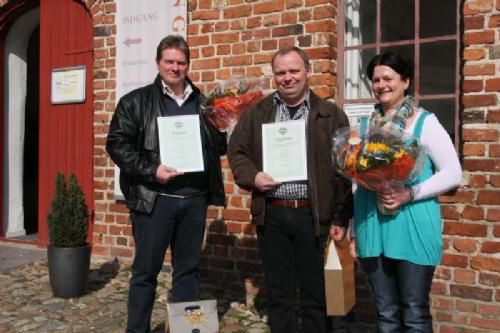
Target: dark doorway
column 30, row 167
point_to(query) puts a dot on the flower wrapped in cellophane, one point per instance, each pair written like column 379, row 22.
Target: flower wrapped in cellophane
column 377, row 157
column 229, row 99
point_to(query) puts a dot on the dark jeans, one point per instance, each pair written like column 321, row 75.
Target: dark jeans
column 292, row 256
column 180, row 224
column 401, row 291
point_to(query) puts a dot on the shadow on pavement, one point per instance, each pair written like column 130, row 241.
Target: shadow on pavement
column 100, row 277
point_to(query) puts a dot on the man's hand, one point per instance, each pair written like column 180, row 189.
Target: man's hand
column 337, row 233
column 265, row 182
column 164, row 174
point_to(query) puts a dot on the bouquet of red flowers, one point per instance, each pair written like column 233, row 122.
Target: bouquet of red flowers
column 229, row 99
column 377, row 157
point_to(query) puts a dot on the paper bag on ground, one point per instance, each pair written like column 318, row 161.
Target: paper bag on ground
column 339, row 279
column 193, row 317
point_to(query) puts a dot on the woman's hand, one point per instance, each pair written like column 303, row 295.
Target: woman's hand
column 352, row 248
column 394, row 197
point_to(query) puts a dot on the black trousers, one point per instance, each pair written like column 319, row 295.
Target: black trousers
column 292, row 257
column 180, row 224
column 401, row 291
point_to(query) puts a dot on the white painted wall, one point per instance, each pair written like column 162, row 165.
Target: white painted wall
column 16, row 45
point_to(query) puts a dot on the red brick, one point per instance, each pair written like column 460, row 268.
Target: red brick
column 289, row 18
column 238, row 25
column 271, row 20
column 493, row 85
column 493, row 116
column 473, row 213
column 320, row 26
column 205, row 15
column 479, row 100
column 480, row 134
column 473, row 7
column 465, row 229
column 225, row 37
column 493, row 215
column 494, row 151
column 438, row 288
column 450, row 212
column 466, row 306
column 442, row 303
column 305, row 15
column 208, row 28
column 471, row 292
column 487, row 197
column 221, row 26
column 290, row 4
column 454, row 260
column 198, row 40
column 270, row 44
column 484, row 323
column 483, row 69
column 286, row 42
column 457, row 196
column 490, row 247
column 236, row 214
column 488, row 165
column 254, row 22
column 485, row 263
column 465, row 245
column 482, row 37
column 320, row 53
column 472, row 86
column 474, row 54
column 240, row 60
column 477, row 181
column 268, row 7
column 494, row 21
column 237, row 11
column 489, row 279
column 473, row 149
column 473, row 22
column 442, row 273
column 256, row 34
column 205, row 64
column 465, row 276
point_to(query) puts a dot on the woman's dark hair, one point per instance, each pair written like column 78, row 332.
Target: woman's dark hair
column 399, row 63
column 172, row 42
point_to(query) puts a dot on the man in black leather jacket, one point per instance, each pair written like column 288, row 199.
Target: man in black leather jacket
column 167, row 207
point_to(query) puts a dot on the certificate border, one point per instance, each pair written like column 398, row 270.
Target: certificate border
column 82, row 70
column 301, row 123
column 196, row 118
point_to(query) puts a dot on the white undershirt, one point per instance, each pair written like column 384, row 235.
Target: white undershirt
column 440, row 149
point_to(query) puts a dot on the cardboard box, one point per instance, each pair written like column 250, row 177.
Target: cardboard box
column 193, row 317
column 339, row 279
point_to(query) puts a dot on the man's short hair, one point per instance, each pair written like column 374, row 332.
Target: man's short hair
column 290, row 49
column 172, row 42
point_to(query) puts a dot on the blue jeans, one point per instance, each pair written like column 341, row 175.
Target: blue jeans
column 401, row 291
column 180, row 224
column 292, row 256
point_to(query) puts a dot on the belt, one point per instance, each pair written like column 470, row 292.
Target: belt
column 290, row 203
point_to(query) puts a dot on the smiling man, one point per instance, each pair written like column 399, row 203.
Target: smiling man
column 167, row 207
column 293, row 218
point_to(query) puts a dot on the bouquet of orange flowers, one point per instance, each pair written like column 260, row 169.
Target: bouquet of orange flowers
column 229, row 99
column 377, row 157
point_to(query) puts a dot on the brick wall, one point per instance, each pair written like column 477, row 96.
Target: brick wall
column 231, row 38
column 238, row 39
column 465, row 293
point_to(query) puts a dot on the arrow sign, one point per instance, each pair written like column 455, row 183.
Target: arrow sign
column 129, row 41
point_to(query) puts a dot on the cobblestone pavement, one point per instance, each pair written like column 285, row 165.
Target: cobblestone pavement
column 27, row 304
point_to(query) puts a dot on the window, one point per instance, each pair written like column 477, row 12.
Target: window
column 426, row 31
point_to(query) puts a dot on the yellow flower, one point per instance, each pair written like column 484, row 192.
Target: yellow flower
column 376, row 146
column 399, row 154
column 363, row 162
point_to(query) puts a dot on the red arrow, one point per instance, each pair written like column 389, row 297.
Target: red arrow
column 129, row 41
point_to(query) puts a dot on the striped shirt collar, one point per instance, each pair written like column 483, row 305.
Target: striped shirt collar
column 278, row 100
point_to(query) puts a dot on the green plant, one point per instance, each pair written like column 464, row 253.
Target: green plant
column 68, row 218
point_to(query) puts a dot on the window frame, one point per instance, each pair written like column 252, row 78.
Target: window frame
column 416, row 42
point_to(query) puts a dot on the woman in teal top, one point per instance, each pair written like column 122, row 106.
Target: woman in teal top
column 399, row 252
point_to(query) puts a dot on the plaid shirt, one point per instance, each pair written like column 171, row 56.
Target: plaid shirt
column 296, row 189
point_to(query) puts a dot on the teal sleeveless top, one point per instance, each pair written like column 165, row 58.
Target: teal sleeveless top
column 414, row 234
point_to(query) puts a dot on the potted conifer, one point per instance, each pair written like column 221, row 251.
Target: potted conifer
column 68, row 252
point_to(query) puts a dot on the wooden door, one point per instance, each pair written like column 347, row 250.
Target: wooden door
column 66, row 130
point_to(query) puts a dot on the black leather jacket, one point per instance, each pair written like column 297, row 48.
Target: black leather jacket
column 132, row 143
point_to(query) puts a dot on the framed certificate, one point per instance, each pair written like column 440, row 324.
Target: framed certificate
column 180, row 143
column 284, row 150
column 68, row 85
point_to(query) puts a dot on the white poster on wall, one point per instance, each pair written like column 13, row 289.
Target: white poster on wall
column 140, row 25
